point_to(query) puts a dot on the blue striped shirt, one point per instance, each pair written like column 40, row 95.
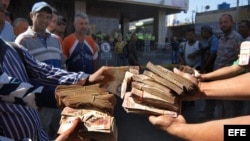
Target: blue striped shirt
column 18, row 115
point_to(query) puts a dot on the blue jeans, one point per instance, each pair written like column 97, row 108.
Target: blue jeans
column 175, row 59
column 121, row 60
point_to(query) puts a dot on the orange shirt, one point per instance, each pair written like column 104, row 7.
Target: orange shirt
column 70, row 42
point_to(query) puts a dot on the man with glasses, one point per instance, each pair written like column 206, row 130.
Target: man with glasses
column 60, row 27
column 52, row 25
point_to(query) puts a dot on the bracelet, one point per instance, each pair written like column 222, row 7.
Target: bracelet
column 87, row 81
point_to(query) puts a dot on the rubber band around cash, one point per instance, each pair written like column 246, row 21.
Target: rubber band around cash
column 141, row 98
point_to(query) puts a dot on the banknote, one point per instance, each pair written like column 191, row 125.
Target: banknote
column 133, row 106
column 93, row 120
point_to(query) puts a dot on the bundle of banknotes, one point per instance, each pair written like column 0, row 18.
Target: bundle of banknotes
column 94, row 104
column 95, row 124
column 156, row 91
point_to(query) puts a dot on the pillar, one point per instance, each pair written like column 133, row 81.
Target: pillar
column 125, row 26
column 160, row 29
column 80, row 6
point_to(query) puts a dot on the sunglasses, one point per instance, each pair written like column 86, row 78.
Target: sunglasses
column 61, row 24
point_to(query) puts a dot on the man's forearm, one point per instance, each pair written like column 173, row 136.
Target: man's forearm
column 207, row 131
column 233, row 88
column 223, row 73
column 13, row 90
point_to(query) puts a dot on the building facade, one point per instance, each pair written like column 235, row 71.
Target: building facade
column 108, row 16
column 212, row 17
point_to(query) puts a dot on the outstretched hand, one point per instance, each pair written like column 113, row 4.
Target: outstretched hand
column 102, row 76
column 194, row 80
column 186, row 75
column 167, row 123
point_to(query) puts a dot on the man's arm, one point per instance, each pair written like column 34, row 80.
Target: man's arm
column 181, row 58
column 207, row 131
column 223, row 73
column 236, row 88
column 14, row 91
column 50, row 75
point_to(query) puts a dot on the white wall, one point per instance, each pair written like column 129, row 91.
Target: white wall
column 180, row 4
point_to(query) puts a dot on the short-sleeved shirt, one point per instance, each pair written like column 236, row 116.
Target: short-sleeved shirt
column 213, row 41
column 228, row 50
column 46, row 49
column 80, row 56
column 186, row 50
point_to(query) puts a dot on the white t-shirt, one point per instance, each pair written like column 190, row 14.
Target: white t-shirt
column 189, row 49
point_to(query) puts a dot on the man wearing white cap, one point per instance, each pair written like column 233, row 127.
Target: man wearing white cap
column 45, row 47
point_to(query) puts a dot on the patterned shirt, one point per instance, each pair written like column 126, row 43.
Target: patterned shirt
column 228, row 50
column 19, row 118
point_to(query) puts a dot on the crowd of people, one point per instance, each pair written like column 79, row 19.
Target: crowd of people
column 30, row 69
column 222, row 80
column 45, row 58
column 209, row 54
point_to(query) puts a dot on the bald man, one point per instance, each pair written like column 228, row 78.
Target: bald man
column 20, row 25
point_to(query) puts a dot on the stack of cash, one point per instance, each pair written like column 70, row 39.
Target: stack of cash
column 156, row 91
column 91, row 96
column 94, row 105
column 114, row 86
column 95, row 124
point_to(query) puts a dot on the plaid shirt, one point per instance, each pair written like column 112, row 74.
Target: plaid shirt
column 228, row 50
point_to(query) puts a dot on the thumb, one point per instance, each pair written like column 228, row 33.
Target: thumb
column 95, row 78
column 177, row 71
column 73, row 127
column 153, row 120
column 162, row 121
